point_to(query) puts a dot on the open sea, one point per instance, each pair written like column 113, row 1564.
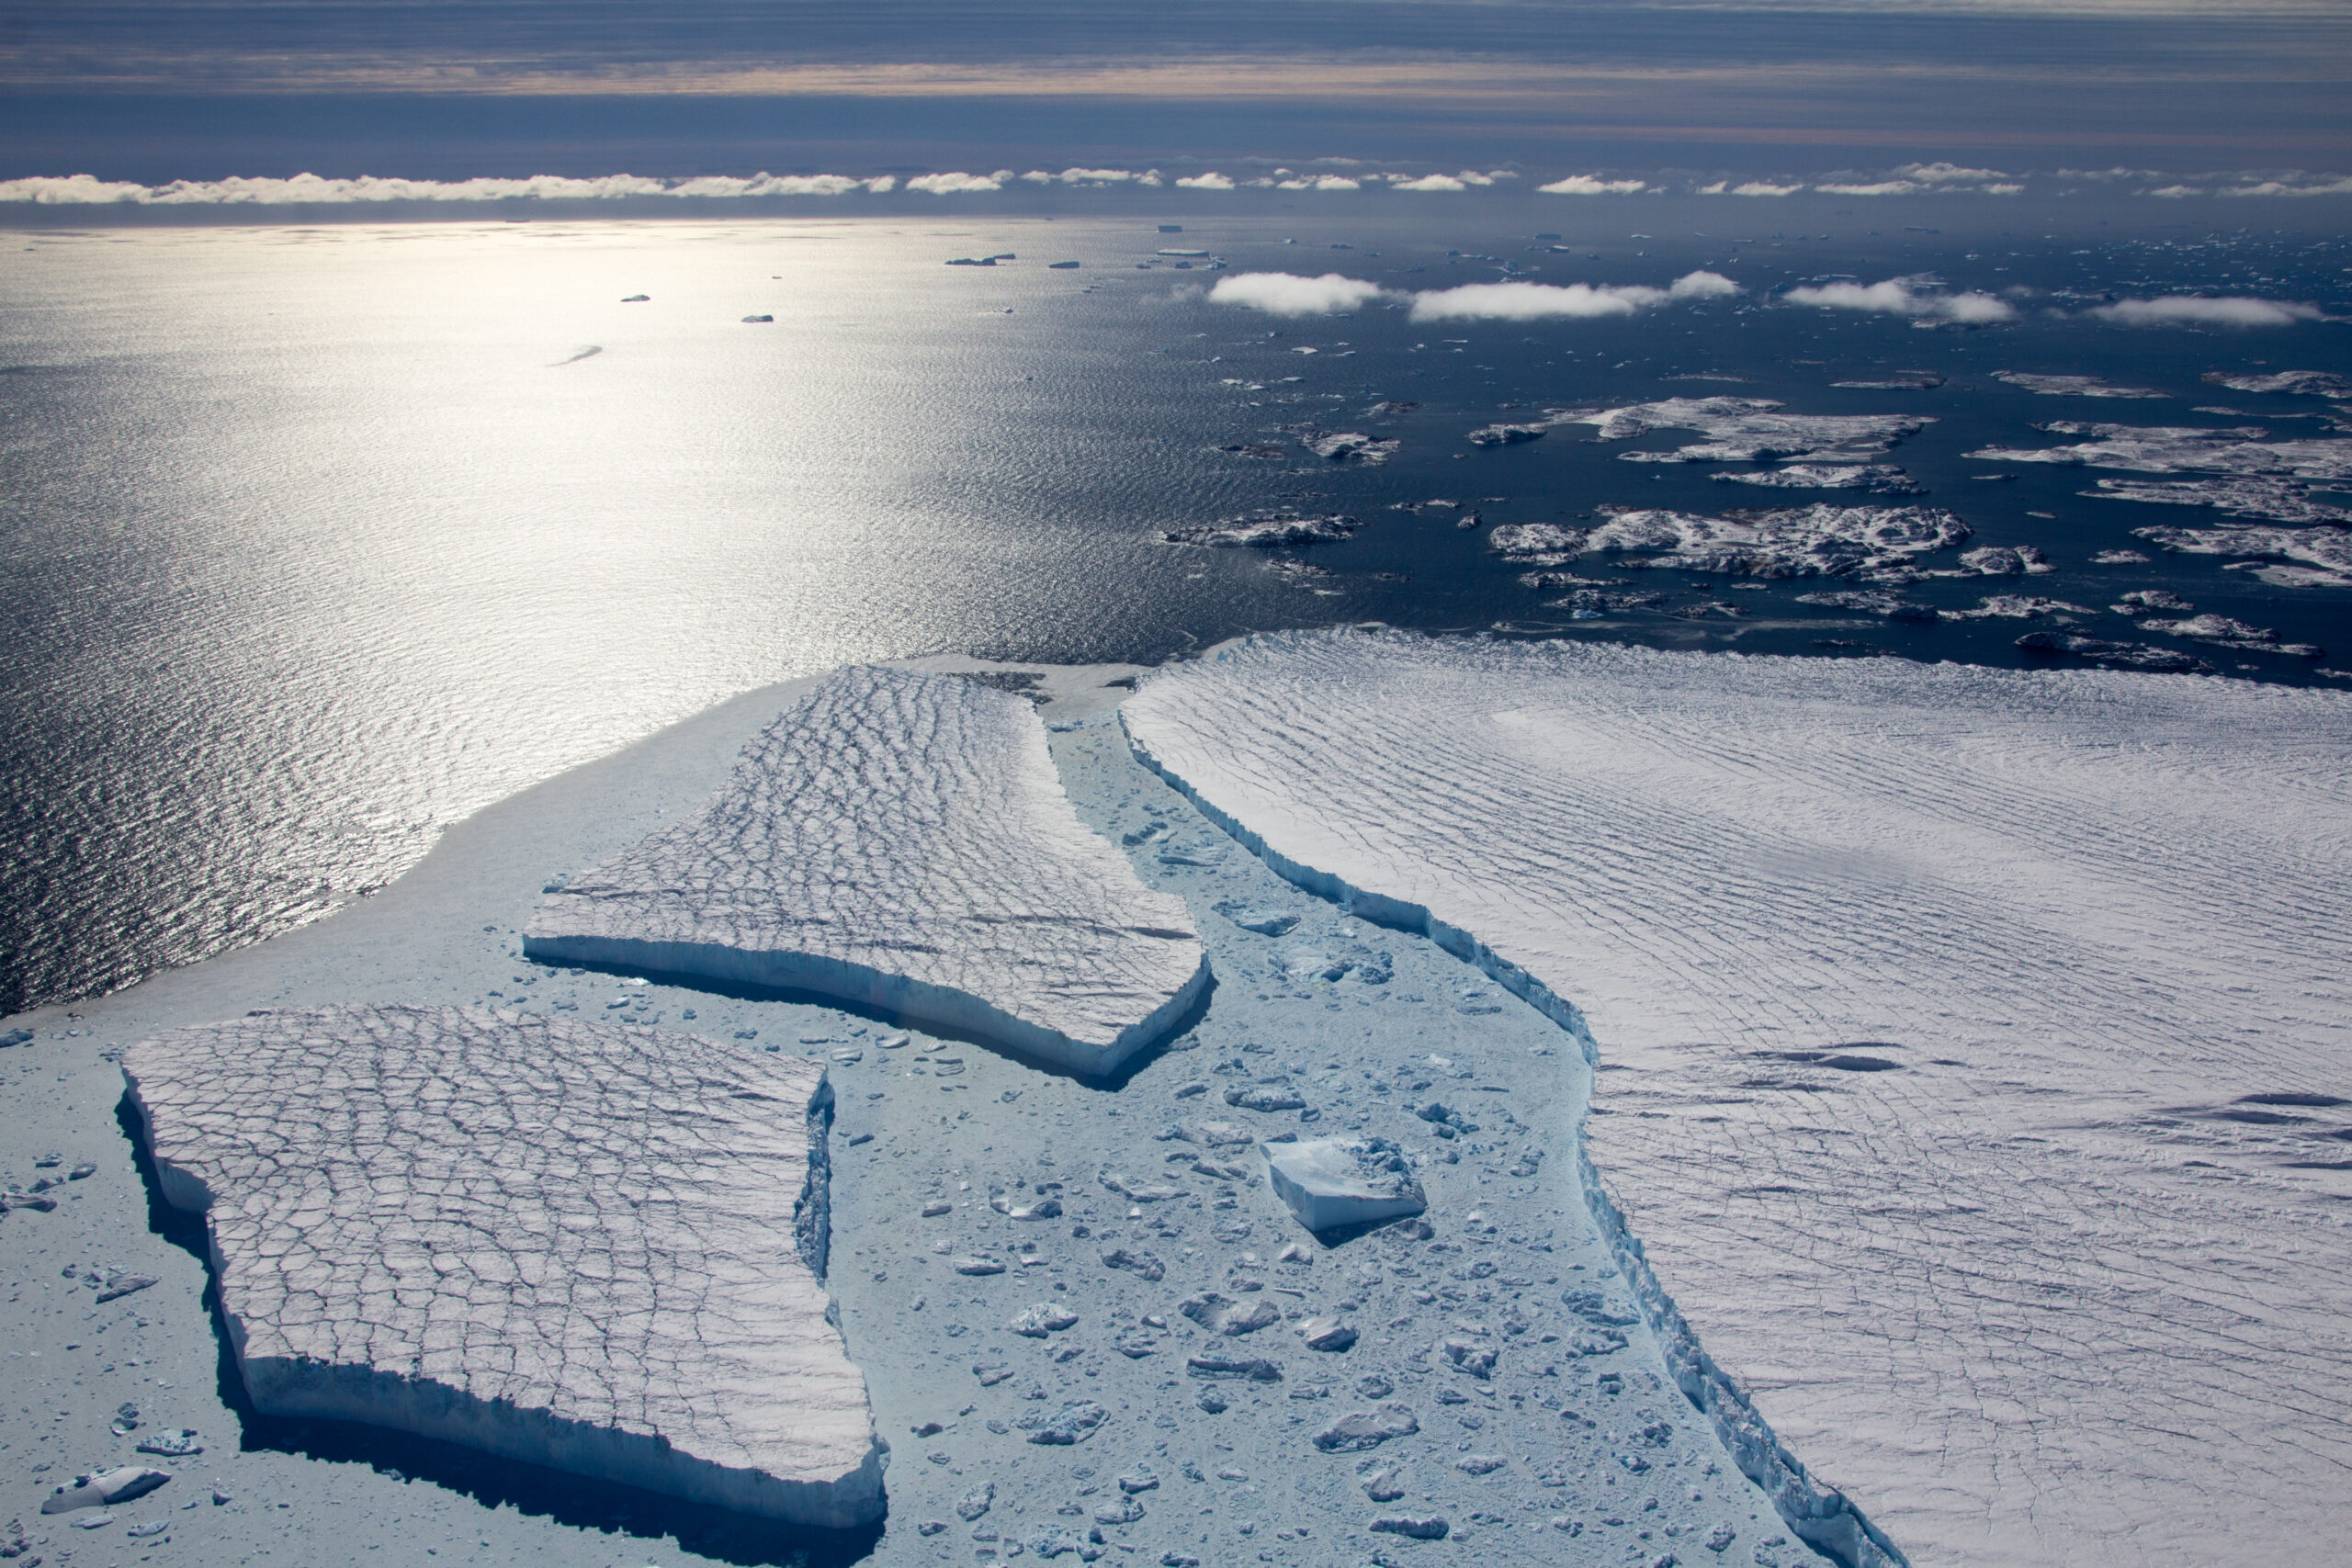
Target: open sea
column 315, row 540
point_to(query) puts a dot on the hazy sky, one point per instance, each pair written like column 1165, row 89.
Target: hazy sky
column 160, row 89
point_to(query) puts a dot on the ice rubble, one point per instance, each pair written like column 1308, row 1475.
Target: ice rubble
column 1744, row 430
column 2326, row 553
column 2273, row 500
column 900, row 840
column 1269, row 531
column 2176, row 449
column 1821, row 540
column 581, row 1245
column 2302, row 383
column 1334, row 1182
column 1879, row 478
column 2040, row 1284
column 2071, row 386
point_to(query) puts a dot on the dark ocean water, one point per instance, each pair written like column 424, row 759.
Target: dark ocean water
column 316, row 540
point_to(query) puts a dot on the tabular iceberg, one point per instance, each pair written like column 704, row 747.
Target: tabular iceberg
column 901, row 840
column 585, row 1246
column 1976, row 1041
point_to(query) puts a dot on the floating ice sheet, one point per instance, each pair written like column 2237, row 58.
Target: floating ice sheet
column 2273, row 500
column 901, row 840
column 1746, row 430
column 1976, row 1037
column 2176, row 449
column 1821, row 540
column 582, row 1245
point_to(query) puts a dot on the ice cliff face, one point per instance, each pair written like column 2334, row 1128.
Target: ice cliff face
column 1972, row 1041
column 901, row 840
column 584, row 1245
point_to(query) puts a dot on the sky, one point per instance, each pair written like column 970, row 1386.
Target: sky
column 159, row 90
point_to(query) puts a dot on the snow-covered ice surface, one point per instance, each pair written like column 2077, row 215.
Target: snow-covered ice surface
column 2074, row 386
column 2301, row 383
column 1821, row 540
column 582, row 1245
column 1880, row 477
column 1970, row 1041
column 1744, row 430
column 1266, row 531
column 2177, row 449
column 900, row 838
column 2275, row 500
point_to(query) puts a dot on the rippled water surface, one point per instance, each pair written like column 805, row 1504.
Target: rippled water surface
column 315, row 540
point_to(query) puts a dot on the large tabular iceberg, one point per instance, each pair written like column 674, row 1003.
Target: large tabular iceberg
column 1974, row 1039
column 586, row 1246
column 901, row 840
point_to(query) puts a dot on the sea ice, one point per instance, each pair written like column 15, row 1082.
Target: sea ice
column 1821, row 540
column 1878, row 478
column 2273, row 500
column 1746, row 430
column 1349, row 446
column 1332, row 1182
column 1974, row 1042
column 2302, row 383
column 582, row 1245
column 2327, row 551
column 1267, row 531
column 901, row 840
column 2174, row 450
column 2071, row 386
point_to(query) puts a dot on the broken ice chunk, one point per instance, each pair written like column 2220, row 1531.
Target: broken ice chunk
column 1331, row 1182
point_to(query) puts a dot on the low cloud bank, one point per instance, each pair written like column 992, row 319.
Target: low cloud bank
column 959, row 184
column 1902, row 297
column 1549, row 301
column 1592, row 184
column 1287, row 294
column 2208, row 310
column 1093, row 177
column 86, row 190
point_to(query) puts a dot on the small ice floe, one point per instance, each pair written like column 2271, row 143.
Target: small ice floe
column 1251, row 918
column 2299, row 383
column 1267, row 531
column 2071, row 386
column 2120, row 655
column 1901, row 381
column 1331, row 1182
column 104, row 1488
column 1505, row 434
column 2223, row 632
column 2272, row 498
column 2141, row 601
column 1746, row 430
column 1879, row 478
column 2015, row 607
column 2171, row 449
column 1821, row 540
column 2006, row 560
column 1349, row 446
column 2325, row 554
column 1872, row 602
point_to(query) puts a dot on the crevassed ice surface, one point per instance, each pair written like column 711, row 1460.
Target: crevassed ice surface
column 1973, row 1041
column 901, row 840
column 578, row 1244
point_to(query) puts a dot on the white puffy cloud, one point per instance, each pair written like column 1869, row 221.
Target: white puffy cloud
column 1592, row 184
column 1764, row 187
column 1550, row 301
column 959, row 184
column 2339, row 185
column 312, row 190
column 1319, row 182
column 1210, row 181
column 2174, row 193
column 1431, row 182
column 1878, row 188
column 1899, row 297
column 1948, row 173
column 1288, row 294
column 1702, row 285
column 2206, row 310
column 1093, row 177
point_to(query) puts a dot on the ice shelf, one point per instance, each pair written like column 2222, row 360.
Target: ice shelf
column 582, row 1245
column 1973, row 1109
column 901, row 840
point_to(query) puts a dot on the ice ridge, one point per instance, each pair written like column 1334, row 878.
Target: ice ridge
column 901, row 840
column 1821, row 1516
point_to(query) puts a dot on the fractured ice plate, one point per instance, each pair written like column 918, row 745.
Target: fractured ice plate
column 1332, row 1182
column 901, row 840
column 582, row 1245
